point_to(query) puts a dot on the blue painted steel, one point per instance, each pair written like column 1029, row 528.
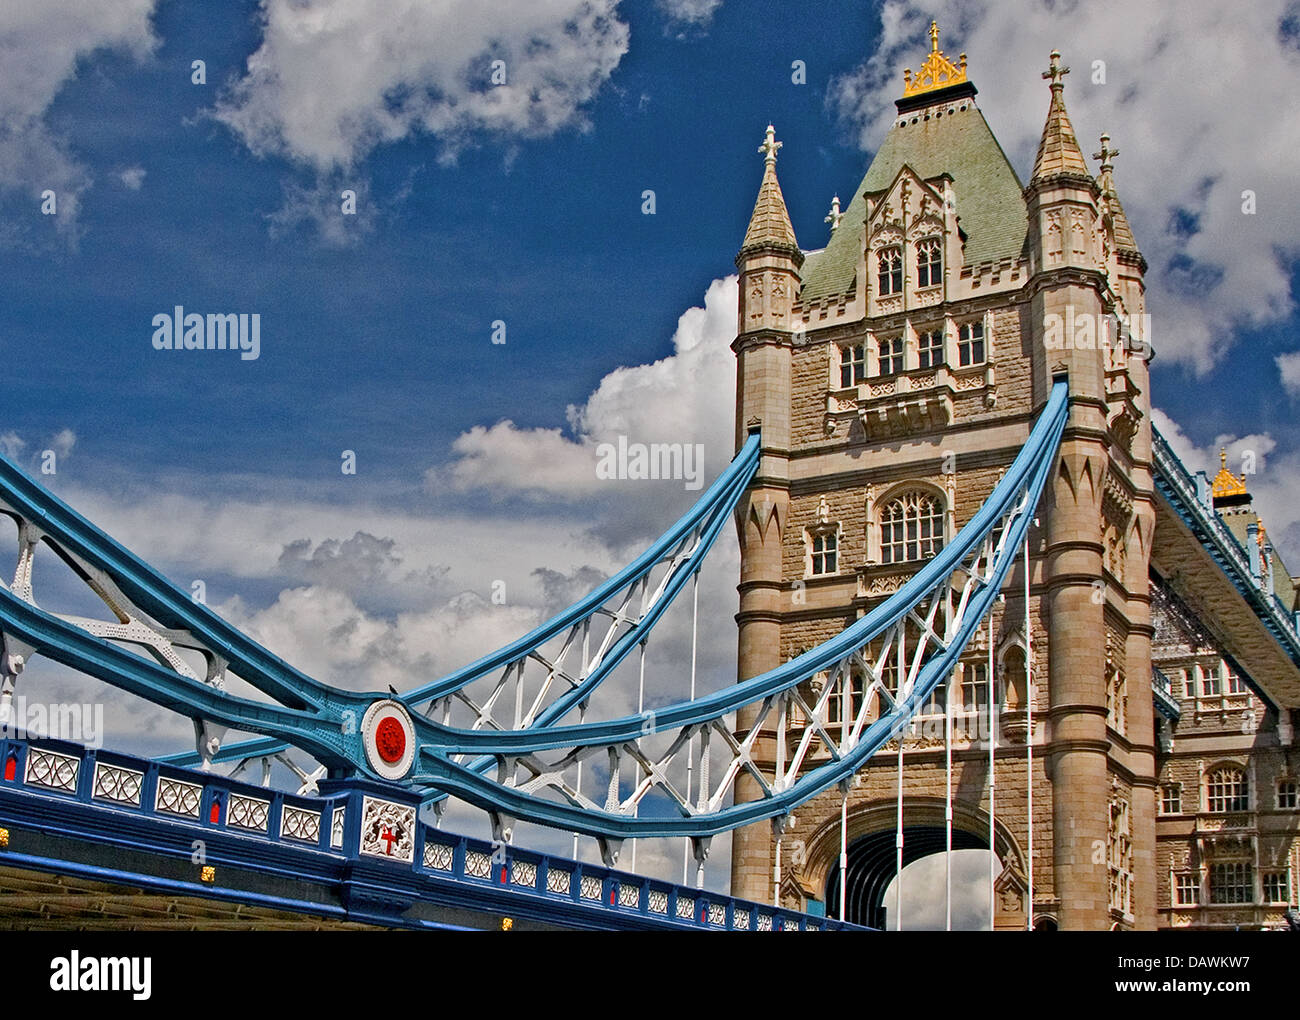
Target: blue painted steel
column 1028, row 473
column 711, row 510
column 385, row 891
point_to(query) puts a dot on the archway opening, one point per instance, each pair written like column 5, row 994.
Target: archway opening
column 872, row 872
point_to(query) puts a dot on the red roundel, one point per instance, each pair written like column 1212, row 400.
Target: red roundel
column 390, row 740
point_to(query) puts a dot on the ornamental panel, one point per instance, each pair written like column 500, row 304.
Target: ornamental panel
column 51, row 770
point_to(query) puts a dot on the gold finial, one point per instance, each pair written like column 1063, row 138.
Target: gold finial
column 937, row 72
column 1225, row 482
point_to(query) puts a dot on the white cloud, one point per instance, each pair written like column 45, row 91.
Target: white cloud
column 41, row 44
column 688, row 15
column 132, row 178
column 1181, row 102
column 1274, row 484
column 1289, row 367
column 332, row 79
column 684, row 398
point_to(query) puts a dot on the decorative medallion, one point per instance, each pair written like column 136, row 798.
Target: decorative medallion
column 389, row 738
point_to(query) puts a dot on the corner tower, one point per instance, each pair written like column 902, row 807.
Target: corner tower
column 895, row 373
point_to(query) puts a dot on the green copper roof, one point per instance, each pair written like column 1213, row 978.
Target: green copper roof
column 990, row 208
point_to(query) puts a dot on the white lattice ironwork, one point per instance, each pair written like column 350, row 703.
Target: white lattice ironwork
column 764, row 922
column 559, row 881
column 439, row 856
column 177, row 797
column 629, row 895
column 685, row 907
column 589, row 888
column 523, row 873
column 51, row 770
column 248, row 813
column 657, row 901
column 299, row 823
column 115, row 783
column 740, row 918
column 477, row 864
column 717, row 914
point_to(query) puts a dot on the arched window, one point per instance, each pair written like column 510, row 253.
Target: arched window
column 929, row 262
column 1226, row 790
column 889, row 267
column 823, row 551
column 911, row 527
column 929, row 348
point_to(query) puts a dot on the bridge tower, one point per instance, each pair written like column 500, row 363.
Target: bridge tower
column 894, row 375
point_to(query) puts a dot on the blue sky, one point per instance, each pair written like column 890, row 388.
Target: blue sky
column 475, row 459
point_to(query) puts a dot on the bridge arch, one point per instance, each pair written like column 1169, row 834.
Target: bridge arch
column 872, row 860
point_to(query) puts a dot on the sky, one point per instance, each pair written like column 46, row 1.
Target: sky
column 499, row 159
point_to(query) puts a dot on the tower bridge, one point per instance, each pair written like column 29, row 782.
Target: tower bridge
column 943, row 519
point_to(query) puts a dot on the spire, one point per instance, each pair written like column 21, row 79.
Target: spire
column 835, row 215
column 1124, row 239
column 1058, row 151
column 770, row 227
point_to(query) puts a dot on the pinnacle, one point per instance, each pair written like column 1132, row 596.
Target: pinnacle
column 1058, row 149
column 770, row 226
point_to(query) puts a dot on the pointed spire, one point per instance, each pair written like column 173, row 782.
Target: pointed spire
column 1124, row 239
column 1058, row 150
column 769, row 227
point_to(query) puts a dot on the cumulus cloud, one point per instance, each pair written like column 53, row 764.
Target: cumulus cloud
column 1187, row 152
column 685, row 398
column 41, row 44
column 332, row 79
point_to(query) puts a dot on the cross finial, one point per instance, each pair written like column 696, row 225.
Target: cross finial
column 1223, row 458
column 1107, row 155
column 835, row 215
column 1056, row 72
column 934, row 37
column 769, row 147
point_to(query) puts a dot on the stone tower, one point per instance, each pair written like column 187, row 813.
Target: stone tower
column 894, row 375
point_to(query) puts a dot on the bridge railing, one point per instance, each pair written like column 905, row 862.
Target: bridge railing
column 140, row 801
column 1224, row 545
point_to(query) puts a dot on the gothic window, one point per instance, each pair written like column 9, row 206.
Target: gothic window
column 890, row 351
column 1233, row 683
column 1277, row 887
column 1120, row 857
column 930, row 348
column 1209, row 681
column 1226, row 790
column 853, row 365
column 929, row 262
column 847, row 699
column 1232, row 882
column 889, row 266
column 1187, row 889
column 970, row 344
column 937, row 702
column 824, row 544
column 974, row 687
column 911, row 527
column 1171, row 799
column 1117, row 702
column 1288, row 794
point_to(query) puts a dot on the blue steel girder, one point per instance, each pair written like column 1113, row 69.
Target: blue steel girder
column 157, row 616
column 936, row 612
